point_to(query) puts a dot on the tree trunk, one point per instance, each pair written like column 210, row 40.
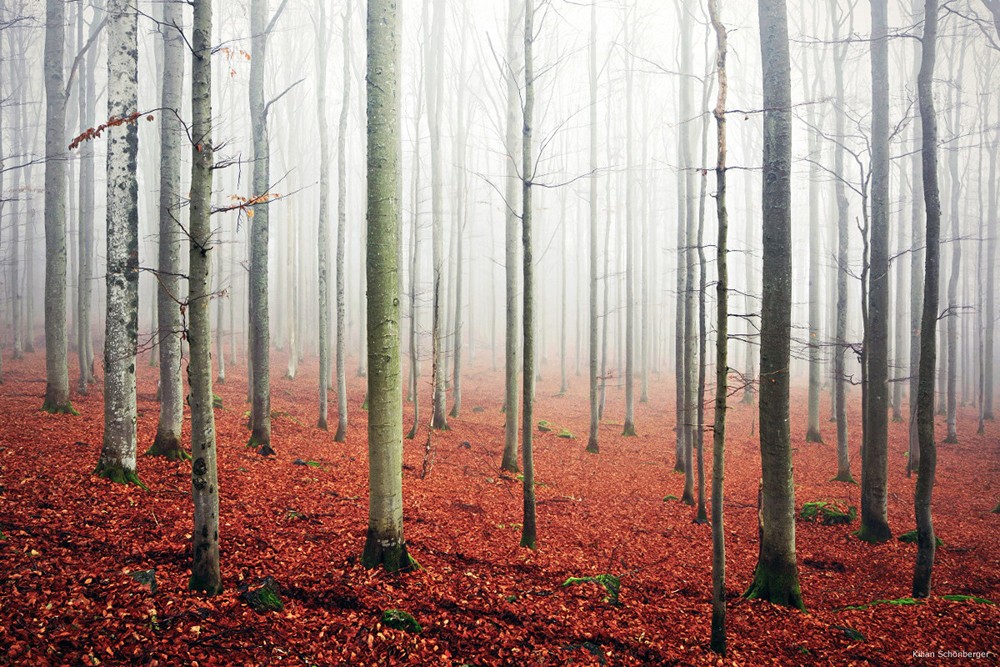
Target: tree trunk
column 167, row 442
column 718, row 636
column 260, row 334
column 511, row 196
column 592, row 439
column 916, row 263
column 990, row 296
column 843, row 246
column 220, row 312
column 629, row 426
column 117, row 460
column 461, row 219
column 384, row 544
column 435, row 89
column 56, row 368
column 928, row 340
column 813, row 433
column 529, row 536
column 323, row 222
column 341, row 434
column 205, row 571
column 875, row 445
column 776, row 577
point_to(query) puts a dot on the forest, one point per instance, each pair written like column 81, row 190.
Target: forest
column 666, row 330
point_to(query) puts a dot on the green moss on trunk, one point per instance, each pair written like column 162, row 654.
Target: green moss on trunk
column 777, row 583
column 119, row 475
column 54, row 408
column 873, row 534
column 261, row 443
column 168, row 445
column 391, row 555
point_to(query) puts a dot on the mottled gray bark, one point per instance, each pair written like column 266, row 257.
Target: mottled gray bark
column 345, row 105
column 205, row 569
column 592, row 438
column 118, row 454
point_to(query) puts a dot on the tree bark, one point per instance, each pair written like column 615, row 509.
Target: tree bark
column 435, row 84
column 875, row 445
column 928, row 340
column 118, row 454
column 341, row 434
column 593, row 445
column 167, row 442
column 205, row 569
column 56, row 365
column 384, row 544
column 776, row 576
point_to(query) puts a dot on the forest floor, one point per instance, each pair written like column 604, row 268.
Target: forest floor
column 71, row 541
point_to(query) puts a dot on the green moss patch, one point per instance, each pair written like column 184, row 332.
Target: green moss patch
column 610, row 582
column 544, row 426
column 967, row 598
column 400, row 620
column 266, row 597
column 829, row 512
column 910, row 537
column 565, row 434
column 898, row 602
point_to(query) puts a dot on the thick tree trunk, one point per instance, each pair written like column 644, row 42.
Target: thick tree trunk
column 928, row 340
column 117, row 460
column 776, row 576
column 384, row 544
column 205, row 570
column 56, row 368
column 168, row 301
column 875, row 446
column 511, row 198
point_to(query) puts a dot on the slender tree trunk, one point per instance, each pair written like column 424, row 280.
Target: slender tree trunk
column 813, row 433
column 117, row 460
column 384, row 544
column 875, row 446
column 916, row 264
column 435, row 84
column 529, row 536
column 220, row 312
column 928, row 341
column 592, row 439
column 629, row 427
column 680, row 330
column 56, row 368
column 691, row 360
column 323, row 226
column 776, row 576
column 718, row 636
column 260, row 334
column 699, row 434
column 167, row 442
column 414, row 388
column 991, row 260
column 563, row 289
column 461, row 219
column 205, row 570
column 511, row 197
column 345, row 105
column 843, row 246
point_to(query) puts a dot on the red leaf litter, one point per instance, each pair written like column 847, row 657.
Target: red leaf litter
column 72, row 540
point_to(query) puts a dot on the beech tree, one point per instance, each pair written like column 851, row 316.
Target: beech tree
column 776, row 576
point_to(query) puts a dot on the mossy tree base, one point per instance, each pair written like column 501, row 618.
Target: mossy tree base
column 168, row 446
column 507, row 466
column 874, row 533
column 629, row 430
column 206, row 584
column 58, row 408
column 951, row 440
column 687, row 498
column 845, row 477
column 119, row 475
column 592, row 446
column 390, row 554
column 778, row 584
column 812, row 435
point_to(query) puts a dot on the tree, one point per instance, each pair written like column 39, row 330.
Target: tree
column 512, row 74
column 916, row 264
column 875, row 445
column 205, row 569
column 435, row 89
column 528, row 529
column 168, row 313
column 117, row 460
column 718, row 636
column 592, row 439
column 341, row 434
column 776, row 577
column 384, row 543
column 56, row 366
column 843, row 244
column 323, row 227
column 928, row 329
column 629, row 427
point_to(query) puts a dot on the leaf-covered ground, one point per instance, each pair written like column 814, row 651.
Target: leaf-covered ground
column 71, row 543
